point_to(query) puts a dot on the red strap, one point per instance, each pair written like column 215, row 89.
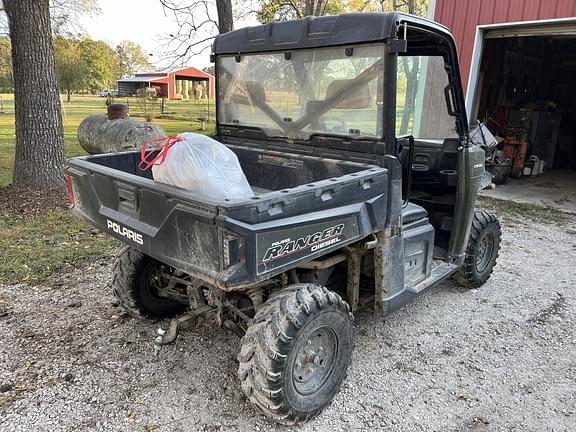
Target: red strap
column 151, row 159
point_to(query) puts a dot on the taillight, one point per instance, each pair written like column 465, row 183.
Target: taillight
column 233, row 249
column 69, row 192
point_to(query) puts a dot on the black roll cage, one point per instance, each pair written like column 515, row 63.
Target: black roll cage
column 423, row 37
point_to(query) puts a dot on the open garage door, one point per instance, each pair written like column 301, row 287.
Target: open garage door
column 544, row 28
column 523, row 88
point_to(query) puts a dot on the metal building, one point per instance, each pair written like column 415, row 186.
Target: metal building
column 518, row 64
column 186, row 83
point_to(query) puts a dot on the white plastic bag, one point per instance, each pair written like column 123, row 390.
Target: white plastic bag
column 204, row 166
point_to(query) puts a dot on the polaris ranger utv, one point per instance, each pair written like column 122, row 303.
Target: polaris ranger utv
column 352, row 132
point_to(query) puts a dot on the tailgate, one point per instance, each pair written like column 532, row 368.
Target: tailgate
column 162, row 221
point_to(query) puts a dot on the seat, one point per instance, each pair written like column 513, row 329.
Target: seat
column 413, row 213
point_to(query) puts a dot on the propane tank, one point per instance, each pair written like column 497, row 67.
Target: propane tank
column 115, row 132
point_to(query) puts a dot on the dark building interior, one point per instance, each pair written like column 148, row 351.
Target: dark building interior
column 527, row 95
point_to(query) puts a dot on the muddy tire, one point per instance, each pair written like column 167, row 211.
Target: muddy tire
column 296, row 352
column 133, row 279
column 482, row 251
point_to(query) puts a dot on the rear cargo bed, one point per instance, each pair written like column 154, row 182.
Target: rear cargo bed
column 234, row 242
column 265, row 170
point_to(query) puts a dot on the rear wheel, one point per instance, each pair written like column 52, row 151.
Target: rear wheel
column 482, row 251
column 137, row 280
column 296, row 352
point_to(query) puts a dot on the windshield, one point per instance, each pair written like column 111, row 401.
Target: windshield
column 334, row 91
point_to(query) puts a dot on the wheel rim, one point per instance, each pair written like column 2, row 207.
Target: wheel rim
column 156, row 281
column 485, row 251
column 315, row 361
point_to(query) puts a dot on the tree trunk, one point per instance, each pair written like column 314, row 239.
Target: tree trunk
column 320, row 7
column 410, row 97
column 68, row 93
column 411, row 80
column 39, row 162
column 314, row 7
column 225, row 19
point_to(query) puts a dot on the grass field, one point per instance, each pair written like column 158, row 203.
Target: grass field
column 42, row 248
column 180, row 116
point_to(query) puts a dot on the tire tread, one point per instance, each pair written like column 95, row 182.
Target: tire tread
column 467, row 276
column 268, row 341
column 126, row 274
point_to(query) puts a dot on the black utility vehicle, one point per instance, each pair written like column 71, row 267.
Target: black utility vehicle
column 352, row 131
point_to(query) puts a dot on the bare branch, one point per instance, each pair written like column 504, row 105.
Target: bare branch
column 197, row 23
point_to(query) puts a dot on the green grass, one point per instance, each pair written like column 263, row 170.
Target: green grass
column 523, row 212
column 39, row 249
column 181, row 116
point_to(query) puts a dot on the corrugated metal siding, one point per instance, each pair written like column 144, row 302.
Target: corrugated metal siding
column 462, row 17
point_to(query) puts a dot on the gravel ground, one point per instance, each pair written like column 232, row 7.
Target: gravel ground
column 501, row 358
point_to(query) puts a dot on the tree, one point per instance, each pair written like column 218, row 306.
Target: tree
column 6, row 76
column 85, row 64
column 131, row 58
column 65, row 14
column 101, row 63
column 39, row 161
column 282, row 10
column 416, row 7
column 209, row 70
column 70, row 66
column 225, row 17
column 407, row 67
column 198, row 23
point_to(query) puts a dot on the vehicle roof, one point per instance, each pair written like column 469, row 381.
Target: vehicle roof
column 313, row 32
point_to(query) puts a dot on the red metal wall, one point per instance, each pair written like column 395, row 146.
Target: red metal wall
column 187, row 72
column 462, row 17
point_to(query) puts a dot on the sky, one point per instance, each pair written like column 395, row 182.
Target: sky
column 142, row 21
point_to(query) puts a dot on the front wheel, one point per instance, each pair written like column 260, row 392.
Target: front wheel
column 296, row 352
column 482, row 251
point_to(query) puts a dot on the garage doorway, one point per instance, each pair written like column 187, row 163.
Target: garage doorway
column 523, row 87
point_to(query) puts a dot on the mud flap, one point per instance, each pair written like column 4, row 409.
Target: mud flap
column 390, row 291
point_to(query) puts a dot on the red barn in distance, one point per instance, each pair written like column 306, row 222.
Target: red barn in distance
column 185, row 83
